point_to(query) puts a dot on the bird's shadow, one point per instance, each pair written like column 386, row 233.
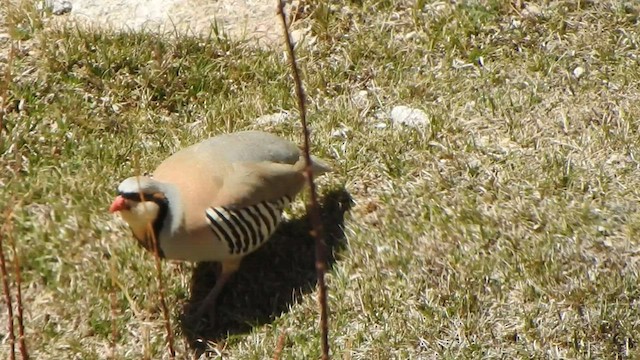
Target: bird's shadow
column 270, row 280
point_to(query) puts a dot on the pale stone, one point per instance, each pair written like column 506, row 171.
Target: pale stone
column 411, row 117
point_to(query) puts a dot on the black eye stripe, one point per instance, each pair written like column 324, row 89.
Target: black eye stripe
column 136, row 196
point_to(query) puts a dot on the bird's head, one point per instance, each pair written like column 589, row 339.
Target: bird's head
column 141, row 202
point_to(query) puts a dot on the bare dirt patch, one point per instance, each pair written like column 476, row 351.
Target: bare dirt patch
column 256, row 20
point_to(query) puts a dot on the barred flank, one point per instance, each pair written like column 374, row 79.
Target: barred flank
column 247, row 228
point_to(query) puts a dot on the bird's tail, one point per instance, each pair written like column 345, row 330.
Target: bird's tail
column 319, row 166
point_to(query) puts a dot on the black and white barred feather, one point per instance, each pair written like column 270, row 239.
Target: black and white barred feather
column 245, row 229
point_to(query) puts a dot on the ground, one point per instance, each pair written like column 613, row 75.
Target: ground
column 248, row 19
column 505, row 226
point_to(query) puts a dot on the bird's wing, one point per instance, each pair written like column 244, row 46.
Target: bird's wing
column 247, row 184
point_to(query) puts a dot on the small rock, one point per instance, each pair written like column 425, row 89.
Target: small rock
column 436, row 7
column 577, row 72
column 604, row 232
column 273, row 119
column 532, row 10
column 59, row 7
column 341, row 133
column 411, row 36
column 406, row 116
column 360, row 99
column 474, row 164
column 617, row 159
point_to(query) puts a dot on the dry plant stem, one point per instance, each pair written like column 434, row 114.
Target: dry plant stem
column 7, row 297
column 4, row 89
column 312, row 207
column 147, row 344
column 163, row 303
column 112, row 299
column 3, row 267
column 280, row 345
column 18, row 278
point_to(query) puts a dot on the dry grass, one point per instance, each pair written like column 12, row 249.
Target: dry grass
column 506, row 228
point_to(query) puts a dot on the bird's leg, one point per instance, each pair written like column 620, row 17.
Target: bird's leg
column 228, row 268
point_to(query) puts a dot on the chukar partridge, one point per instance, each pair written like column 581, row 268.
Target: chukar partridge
column 217, row 200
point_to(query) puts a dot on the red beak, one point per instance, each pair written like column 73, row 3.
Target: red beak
column 118, row 204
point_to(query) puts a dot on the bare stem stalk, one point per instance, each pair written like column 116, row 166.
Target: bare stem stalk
column 114, row 307
column 280, row 345
column 22, row 344
column 313, row 208
column 7, row 298
column 161, row 291
column 3, row 267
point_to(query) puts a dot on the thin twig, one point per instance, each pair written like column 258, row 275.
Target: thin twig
column 22, row 343
column 280, row 345
column 7, row 297
column 7, row 78
column 146, row 340
column 313, row 209
column 3, row 267
column 163, row 303
column 114, row 307
column 8, row 228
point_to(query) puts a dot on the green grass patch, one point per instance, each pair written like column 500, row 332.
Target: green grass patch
column 506, row 228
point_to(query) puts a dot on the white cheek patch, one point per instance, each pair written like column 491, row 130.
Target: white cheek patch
column 141, row 215
column 147, row 210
